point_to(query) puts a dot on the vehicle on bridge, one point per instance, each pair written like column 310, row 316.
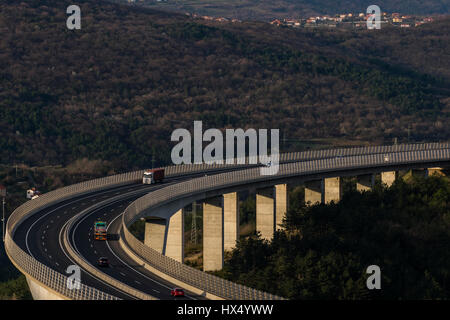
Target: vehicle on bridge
column 103, row 262
column 177, row 292
column 32, row 193
column 100, row 230
column 153, row 176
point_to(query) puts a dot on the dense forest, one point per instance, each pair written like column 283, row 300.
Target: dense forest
column 325, row 249
column 116, row 89
column 264, row 9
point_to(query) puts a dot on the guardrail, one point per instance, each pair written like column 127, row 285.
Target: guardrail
column 50, row 278
column 56, row 281
column 218, row 286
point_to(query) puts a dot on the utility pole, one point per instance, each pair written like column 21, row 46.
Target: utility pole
column 153, row 161
column 3, row 220
column 3, row 195
column 194, row 223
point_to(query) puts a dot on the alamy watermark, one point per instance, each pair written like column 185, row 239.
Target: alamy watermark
column 374, row 19
column 374, row 280
column 74, row 20
column 74, row 280
column 214, row 151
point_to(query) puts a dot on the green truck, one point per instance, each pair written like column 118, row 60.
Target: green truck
column 100, row 230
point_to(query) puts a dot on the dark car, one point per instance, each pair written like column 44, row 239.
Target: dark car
column 103, row 262
column 177, row 292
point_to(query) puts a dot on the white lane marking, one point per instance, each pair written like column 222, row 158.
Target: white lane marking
column 148, row 278
column 156, row 291
column 50, row 212
column 137, row 282
column 95, row 252
column 73, row 262
column 122, row 274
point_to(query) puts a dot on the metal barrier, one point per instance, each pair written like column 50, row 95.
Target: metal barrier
column 56, row 281
column 218, row 286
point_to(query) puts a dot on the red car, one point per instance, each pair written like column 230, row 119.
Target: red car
column 177, row 292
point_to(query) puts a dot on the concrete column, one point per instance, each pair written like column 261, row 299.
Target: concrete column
column 155, row 230
column 332, row 189
column 365, row 182
column 435, row 171
column 314, row 192
column 231, row 220
column 265, row 212
column 213, row 234
column 175, row 237
column 281, row 204
column 388, row 177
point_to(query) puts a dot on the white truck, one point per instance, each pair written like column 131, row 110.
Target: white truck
column 152, row 176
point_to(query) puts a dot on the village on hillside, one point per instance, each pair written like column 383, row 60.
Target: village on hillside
column 346, row 20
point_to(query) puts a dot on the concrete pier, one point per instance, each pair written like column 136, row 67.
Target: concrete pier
column 265, row 212
column 435, row 171
column 388, row 177
column 365, row 182
column 314, row 192
column 281, row 204
column 155, row 230
column 175, row 237
column 213, row 234
column 231, row 220
column 332, row 189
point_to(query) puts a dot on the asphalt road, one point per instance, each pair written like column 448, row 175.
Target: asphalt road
column 40, row 236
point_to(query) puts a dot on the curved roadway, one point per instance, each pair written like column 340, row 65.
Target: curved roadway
column 41, row 237
column 41, row 234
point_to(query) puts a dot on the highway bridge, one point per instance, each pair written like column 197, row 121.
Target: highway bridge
column 46, row 235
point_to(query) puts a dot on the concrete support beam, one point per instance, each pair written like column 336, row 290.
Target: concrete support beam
column 435, row 172
column 155, row 230
column 175, row 237
column 314, row 192
column 365, row 182
column 213, row 234
column 332, row 189
column 388, row 177
column 281, row 204
column 40, row 292
column 265, row 212
column 231, row 220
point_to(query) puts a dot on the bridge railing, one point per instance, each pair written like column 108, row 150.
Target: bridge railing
column 34, row 268
column 49, row 277
column 218, row 286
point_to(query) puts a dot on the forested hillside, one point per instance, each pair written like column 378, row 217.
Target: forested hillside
column 116, row 89
column 325, row 249
column 264, row 9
